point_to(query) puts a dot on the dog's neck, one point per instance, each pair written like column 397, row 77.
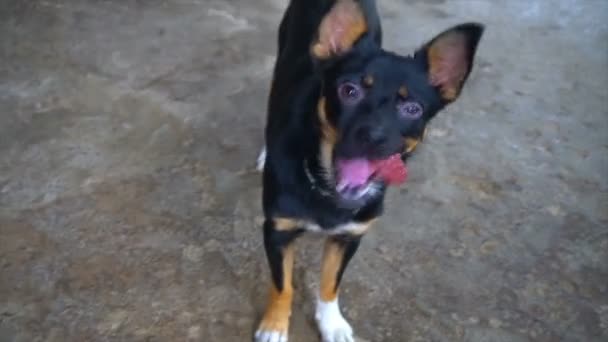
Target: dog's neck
column 314, row 183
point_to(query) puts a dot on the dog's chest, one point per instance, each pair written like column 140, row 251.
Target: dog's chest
column 355, row 228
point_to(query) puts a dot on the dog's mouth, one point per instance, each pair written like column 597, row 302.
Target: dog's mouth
column 359, row 178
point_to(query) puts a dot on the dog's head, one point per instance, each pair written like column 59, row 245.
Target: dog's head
column 376, row 104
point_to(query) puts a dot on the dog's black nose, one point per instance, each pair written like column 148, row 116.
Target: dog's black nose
column 371, row 135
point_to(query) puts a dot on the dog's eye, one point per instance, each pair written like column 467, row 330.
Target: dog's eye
column 409, row 109
column 350, row 93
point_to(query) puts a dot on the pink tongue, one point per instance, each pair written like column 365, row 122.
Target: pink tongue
column 355, row 172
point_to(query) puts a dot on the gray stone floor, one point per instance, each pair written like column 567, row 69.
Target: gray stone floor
column 129, row 205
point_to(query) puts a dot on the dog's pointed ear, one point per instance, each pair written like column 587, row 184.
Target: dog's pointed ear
column 339, row 30
column 449, row 58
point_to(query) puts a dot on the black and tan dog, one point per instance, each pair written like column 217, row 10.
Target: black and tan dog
column 340, row 106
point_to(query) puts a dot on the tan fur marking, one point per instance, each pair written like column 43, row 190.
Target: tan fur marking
column 368, row 81
column 320, row 51
column 328, row 139
column 278, row 310
column 403, row 91
column 339, row 29
column 329, row 132
column 410, row 144
column 333, row 254
column 285, row 224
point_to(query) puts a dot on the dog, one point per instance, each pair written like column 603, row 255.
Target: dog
column 341, row 110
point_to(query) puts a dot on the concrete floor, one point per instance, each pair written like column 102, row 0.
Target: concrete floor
column 130, row 210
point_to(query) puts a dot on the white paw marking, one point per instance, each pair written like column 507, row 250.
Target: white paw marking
column 333, row 327
column 270, row 336
column 261, row 160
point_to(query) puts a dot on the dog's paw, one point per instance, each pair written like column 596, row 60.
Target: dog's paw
column 261, row 160
column 270, row 336
column 272, row 330
column 332, row 325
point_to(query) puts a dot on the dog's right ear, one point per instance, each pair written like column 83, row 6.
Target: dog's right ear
column 339, row 30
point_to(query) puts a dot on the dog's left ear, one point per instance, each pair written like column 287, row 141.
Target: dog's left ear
column 449, row 58
column 339, row 30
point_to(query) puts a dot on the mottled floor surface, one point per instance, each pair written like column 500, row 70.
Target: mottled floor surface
column 129, row 205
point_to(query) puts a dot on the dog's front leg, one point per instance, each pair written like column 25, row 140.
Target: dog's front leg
column 337, row 253
column 279, row 235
